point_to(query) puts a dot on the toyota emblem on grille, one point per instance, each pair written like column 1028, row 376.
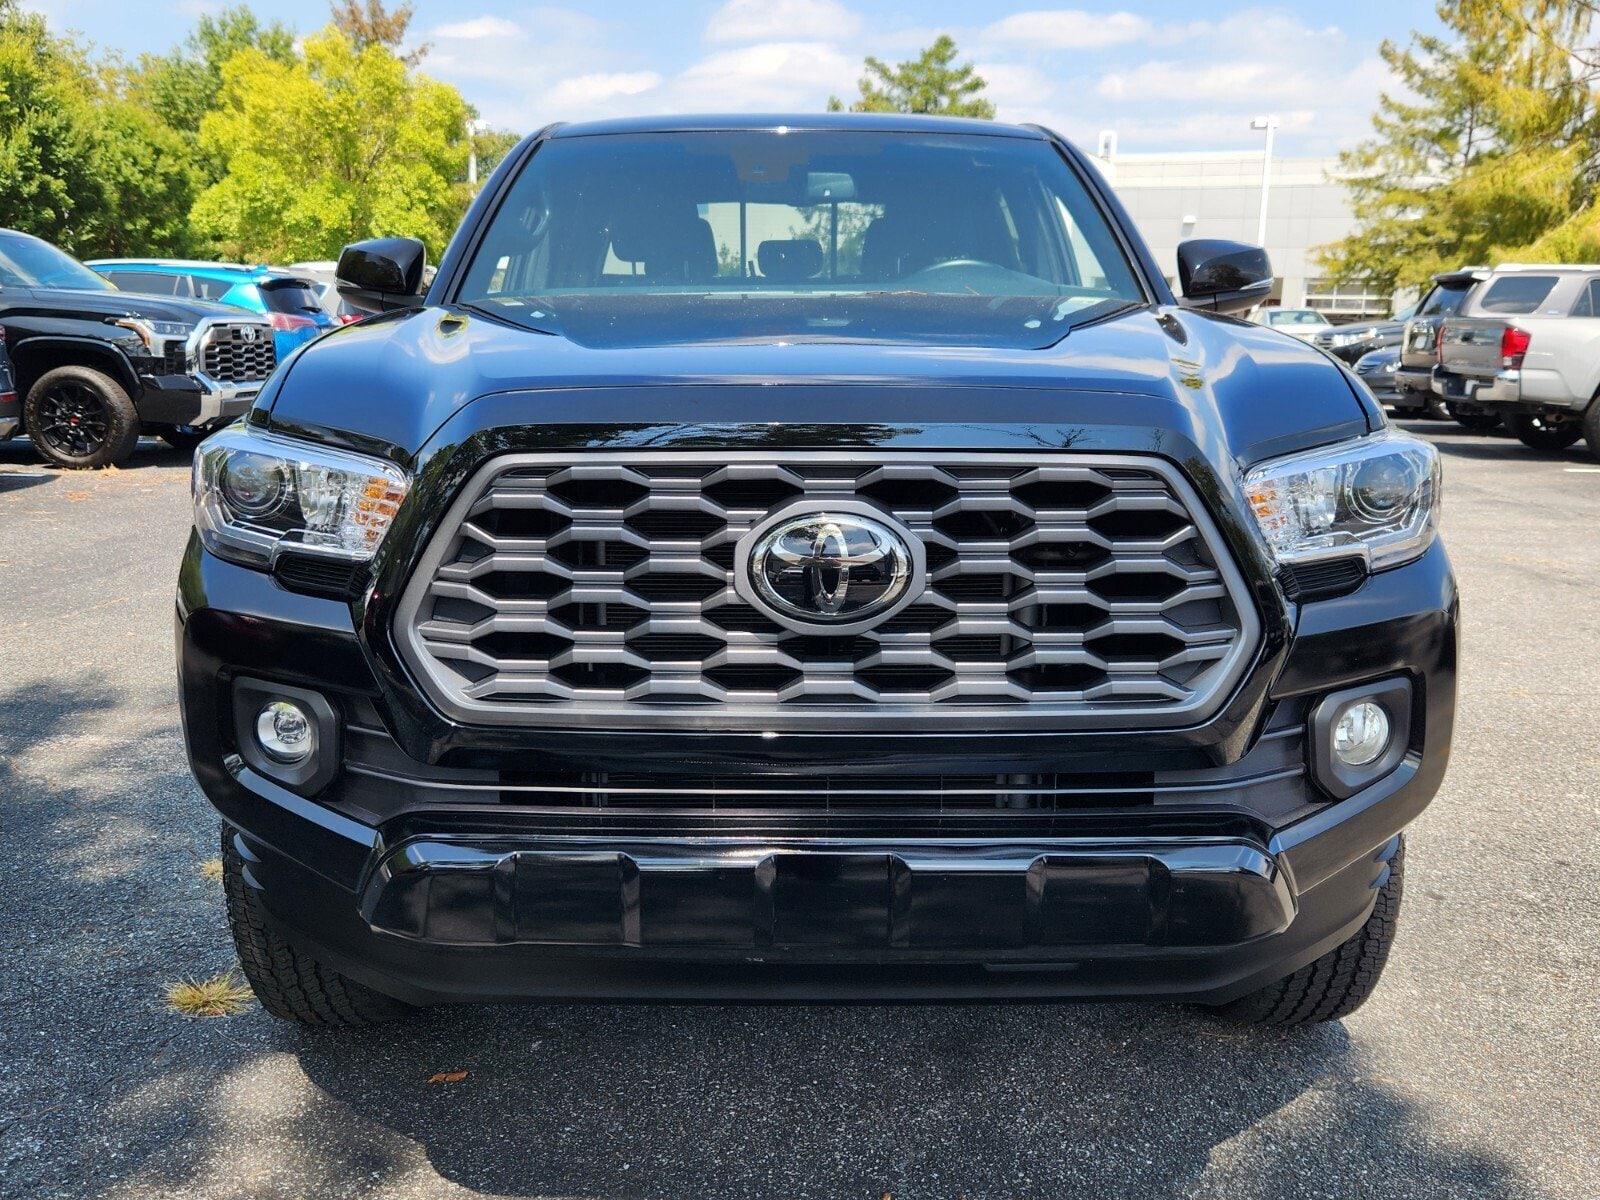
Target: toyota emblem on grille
column 248, row 333
column 835, row 569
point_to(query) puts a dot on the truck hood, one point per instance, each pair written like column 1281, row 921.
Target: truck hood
column 1237, row 389
column 135, row 304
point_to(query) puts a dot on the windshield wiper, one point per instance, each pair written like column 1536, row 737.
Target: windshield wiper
column 508, row 318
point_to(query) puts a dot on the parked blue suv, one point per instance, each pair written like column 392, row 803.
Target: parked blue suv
column 287, row 300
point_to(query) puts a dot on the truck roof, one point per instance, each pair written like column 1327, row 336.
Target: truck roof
column 771, row 122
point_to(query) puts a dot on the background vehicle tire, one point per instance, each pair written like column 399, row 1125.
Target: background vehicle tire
column 1541, row 433
column 1477, row 422
column 80, row 418
column 183, row 437
column 1591, row 427
column 1336, row 984
column 289, row 984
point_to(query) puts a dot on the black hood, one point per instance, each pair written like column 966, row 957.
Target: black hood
column 136, row 304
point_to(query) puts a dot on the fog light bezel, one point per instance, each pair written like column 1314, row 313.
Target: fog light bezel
column 1337, row 778
column 307, row 775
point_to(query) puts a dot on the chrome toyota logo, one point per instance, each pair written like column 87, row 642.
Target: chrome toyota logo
column 837, row 569
column 248, row 333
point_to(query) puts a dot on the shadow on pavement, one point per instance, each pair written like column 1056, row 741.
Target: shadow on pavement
column 151, row 452
column 851, row 1101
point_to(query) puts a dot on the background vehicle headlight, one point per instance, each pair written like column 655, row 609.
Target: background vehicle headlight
column 1373, row 496
column 255, row 494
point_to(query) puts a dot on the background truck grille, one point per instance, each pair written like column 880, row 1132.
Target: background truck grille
column 601, row 591
column 227, row 357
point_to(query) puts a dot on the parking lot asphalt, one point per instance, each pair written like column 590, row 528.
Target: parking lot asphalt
column 1471, row 1073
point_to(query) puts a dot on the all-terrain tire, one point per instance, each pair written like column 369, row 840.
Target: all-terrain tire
column 80, row 418
column 1477, row 422
column 1541, row 433
column 1339, row 982
column 290, row 984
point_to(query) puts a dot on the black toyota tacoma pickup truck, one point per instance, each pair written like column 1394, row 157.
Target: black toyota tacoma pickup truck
column 96, row 367
column 812, row 558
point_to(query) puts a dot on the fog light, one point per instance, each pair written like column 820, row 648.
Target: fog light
column 285, row 732
column 1361, row 734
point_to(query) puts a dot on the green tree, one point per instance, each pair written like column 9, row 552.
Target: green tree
column 181, row 87
column 47, row 183
column 81, row 164
column 345, row 143
column 926, row 84
column 491, row 146
column 1484, row 150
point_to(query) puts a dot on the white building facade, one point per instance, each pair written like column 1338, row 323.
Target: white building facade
column 1217, row 194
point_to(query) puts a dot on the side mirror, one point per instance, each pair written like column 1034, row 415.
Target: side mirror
column 1223, row 276
column 382, row 274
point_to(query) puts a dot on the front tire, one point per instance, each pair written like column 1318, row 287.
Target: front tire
column 1338, row 983
column 183, row 437
column 1544, row 433
column 1591, row 427
column 81, row 419
column 289, row 984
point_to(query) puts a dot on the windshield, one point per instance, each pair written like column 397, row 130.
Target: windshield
column 1297, row 316
column 820, row 236
column 28, row 262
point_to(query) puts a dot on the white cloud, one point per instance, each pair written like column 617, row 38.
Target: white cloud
column 1069, row 29
column 777, row 20
column 479, row 29
column 768, row 76
column 582, row 93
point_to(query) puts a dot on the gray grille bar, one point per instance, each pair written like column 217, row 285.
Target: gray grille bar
column 1063, row 590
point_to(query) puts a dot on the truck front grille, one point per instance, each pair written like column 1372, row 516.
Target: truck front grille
column 601, row 591
column 237, row 353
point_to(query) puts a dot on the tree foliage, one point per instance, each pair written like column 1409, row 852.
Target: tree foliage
column 373, row 23
column 342, row 144
column 1486, row 151
column 926, row 84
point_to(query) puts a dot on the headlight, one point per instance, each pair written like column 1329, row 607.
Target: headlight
column 255, row 494
column 1373, row 496
column 151, row 331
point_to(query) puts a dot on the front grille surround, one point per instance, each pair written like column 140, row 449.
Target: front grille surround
column 224, row 356
column 1064, row 591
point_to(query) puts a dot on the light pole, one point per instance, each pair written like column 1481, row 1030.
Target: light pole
column 473, row 129
column 1270, row 124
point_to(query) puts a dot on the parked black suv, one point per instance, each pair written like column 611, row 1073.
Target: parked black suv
column 812, row 557
column 97, row 367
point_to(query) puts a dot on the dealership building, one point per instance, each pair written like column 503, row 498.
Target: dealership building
column 1217, row 194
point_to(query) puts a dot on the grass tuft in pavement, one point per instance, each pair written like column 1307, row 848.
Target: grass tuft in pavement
column 220, row 996
column 211, row 870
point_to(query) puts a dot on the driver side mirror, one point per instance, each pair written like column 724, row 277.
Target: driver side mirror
column 382, row 274
column 1223, row 276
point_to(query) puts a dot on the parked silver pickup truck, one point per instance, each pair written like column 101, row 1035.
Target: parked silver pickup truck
column 1419, row 346
column 1526, row 345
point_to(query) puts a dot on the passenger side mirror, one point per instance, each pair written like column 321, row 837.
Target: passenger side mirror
column 382, row 274
column 1223, row 276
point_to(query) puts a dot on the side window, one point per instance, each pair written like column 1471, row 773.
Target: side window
column 150, row 283
column 1588, row 304
column 1517, row 295
column 209, row 289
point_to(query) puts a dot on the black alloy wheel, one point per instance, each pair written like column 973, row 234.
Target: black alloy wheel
column 72, row 419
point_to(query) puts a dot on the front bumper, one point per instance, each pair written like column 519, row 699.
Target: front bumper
column 10, row 415
column 184, row 400
column 431, row 891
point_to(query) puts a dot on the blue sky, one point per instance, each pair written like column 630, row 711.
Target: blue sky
column 1165, row 76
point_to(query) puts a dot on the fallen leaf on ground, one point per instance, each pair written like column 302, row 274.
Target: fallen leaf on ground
column 447, row 1077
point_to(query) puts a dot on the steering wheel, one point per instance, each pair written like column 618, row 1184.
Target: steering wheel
column 957, row 271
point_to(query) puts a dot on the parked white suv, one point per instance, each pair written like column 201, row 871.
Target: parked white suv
column 1526, row 346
